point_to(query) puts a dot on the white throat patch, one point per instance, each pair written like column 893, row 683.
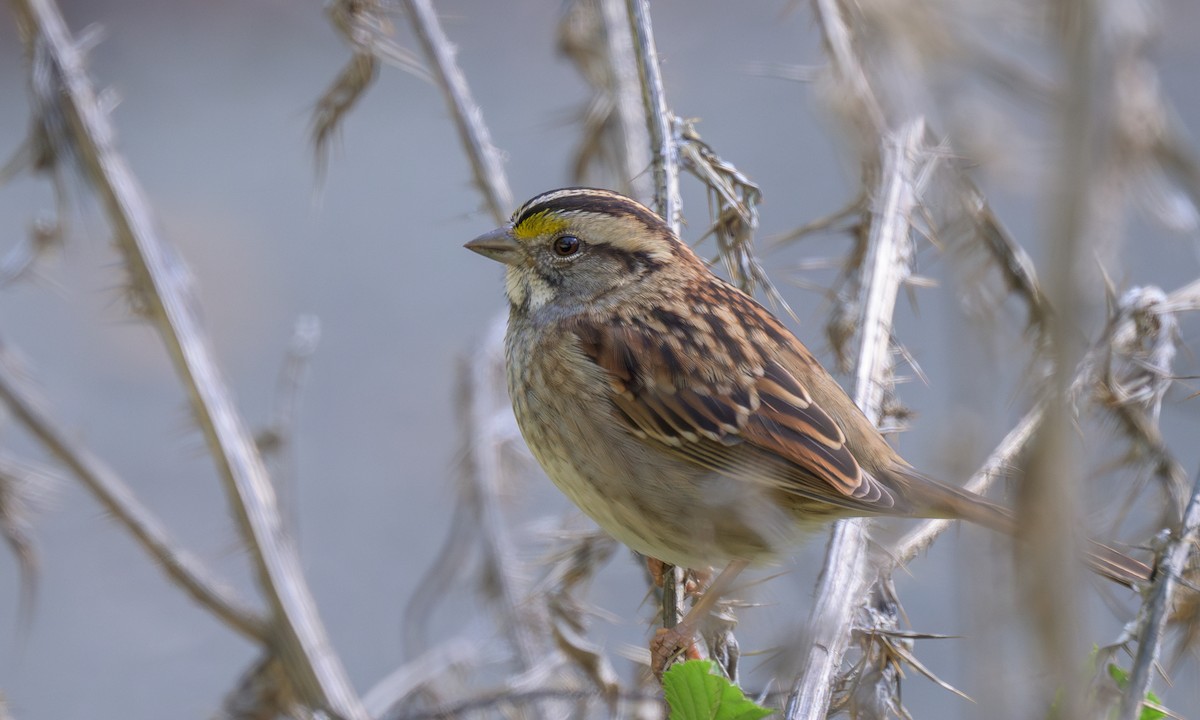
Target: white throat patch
column 525, row 287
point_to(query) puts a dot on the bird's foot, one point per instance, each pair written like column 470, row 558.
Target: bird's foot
column 671, row 643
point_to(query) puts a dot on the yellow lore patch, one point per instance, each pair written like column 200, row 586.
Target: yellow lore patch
column 539, row 225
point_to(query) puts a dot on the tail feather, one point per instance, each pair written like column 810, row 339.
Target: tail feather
column 934, row 499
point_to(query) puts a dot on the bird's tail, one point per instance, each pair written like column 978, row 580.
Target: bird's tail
column 940, row 500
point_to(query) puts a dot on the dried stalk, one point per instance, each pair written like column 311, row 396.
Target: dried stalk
column 365, row 26
column 118, row 499
column 844, row 573
column 161, row 281
column 486, row 161
column 659, row 120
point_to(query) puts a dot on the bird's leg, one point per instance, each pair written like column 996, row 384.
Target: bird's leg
column 657, row 569
column 667, row 643
column 694, row 580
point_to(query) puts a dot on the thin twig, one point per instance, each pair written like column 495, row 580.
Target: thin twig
column 843, row 576
column 1156, row 611
column 118, row 498
column 161, row 280
column 486, row 161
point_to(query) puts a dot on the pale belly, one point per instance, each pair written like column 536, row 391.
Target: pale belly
column 653, row 502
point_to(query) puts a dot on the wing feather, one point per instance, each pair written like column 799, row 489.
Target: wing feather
column 761, row 424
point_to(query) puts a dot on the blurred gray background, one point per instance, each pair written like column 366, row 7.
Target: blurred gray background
column 214, row 118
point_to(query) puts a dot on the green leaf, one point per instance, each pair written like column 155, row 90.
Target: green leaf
column 1121, row 677
column 695, row 691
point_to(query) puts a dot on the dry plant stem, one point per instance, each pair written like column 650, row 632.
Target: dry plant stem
column 843, row 576
column 1156, row 611
column 667, row 200
column 468, row 118
column 298, row 635
column 183, row 567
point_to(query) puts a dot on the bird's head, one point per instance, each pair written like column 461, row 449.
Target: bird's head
column 578, row 246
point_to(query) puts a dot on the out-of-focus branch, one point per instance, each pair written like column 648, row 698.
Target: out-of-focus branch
column 1048, row 496
column 1140, row 338
column 848, row 72
column 484, row 402
column 275, row 441
column 1155, row 612
column 595, row 35
column 306, row 335
column 386, row 698
column 160, row 281
column 571, row 569
column 486, row 161
column 500, row 702
column 23, row 489
column 488, row 423
column 1014, row 264
column 262, row 692
column 635, row 157
column 119, row 500
column 844, row 574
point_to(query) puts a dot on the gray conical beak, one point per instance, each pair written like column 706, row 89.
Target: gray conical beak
column 498, row 245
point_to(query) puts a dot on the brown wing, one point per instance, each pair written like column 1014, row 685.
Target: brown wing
column 758, row 422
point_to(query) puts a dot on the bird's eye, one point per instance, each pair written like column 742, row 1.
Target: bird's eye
column 566, row 245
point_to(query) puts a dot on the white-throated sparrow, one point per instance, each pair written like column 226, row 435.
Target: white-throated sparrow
column 676, row 411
